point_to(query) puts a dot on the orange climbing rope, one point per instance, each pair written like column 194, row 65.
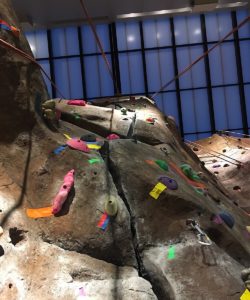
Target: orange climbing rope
column 29, row 58
column 99, row 44
column 201, row 57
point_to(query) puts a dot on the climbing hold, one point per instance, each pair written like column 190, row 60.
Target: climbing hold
column 157, row 190
column 195, row 149
column 245, row 295
column 248, row 229
column 1, row 230
column 94, row 160
column 77, row 102
column 39, row 212
column 112, row 136
column 60, row 149
column 171, row 252
column 189, row 172
column 64, row 190
column 88, row 138
column 150, row 121
column 50, row 104
column 216, row 166
column 49, row 110
column 227, row 218
column 103, row 223
column 94, row 146
column 162, row 164
column 111, row 206
column 124, row 111
column 4, row 25
column 67, row 136
column 200, row 191
column 168, row 182
column 217, row 220
column 224, row 150
column 78, row 145
column 226, row 165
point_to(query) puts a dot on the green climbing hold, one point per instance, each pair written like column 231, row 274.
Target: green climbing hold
column 162, row 164
column 111, row 206
column 189, row 172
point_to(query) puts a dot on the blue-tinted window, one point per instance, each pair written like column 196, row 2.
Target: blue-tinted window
column 157, row 33
column 160, row 68
column 196, row 77
column 128, row 36
column 65, row 41
column 223, row 64
column 68, row 77
column 218, row 25
column 245, row 59
column 38, row 43
column 247, row 94
column 244, row 31
column 88, row 40
column 187, row 30
column 131, row 71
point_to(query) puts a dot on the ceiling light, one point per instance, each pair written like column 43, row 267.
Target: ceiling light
column 231, row 5
column 155, row 13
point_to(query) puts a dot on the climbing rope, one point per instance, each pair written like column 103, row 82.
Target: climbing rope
column 219, row 154
column 99, row 44
column 201, row 57
column 29, row 58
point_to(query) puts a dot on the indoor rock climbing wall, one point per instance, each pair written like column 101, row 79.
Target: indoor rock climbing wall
column 105, row 201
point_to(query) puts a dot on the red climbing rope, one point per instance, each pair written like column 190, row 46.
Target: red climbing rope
column 29, row 58
column 99, row 44
column 201, row 57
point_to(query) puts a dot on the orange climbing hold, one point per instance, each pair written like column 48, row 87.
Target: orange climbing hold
column 37, row 213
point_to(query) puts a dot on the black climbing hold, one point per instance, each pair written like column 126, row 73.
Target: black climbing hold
column 1, row 251
column 226, row 165
column 195, row 149
column 89, row 137
column 224, row 150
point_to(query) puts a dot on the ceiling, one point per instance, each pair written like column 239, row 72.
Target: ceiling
column 50, row 13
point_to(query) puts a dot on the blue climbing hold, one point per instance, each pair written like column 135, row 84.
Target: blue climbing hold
column 60, row 149
column 168, row 182
column 227, row 218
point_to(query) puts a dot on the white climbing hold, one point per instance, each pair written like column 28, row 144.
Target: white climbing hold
column 1, row 230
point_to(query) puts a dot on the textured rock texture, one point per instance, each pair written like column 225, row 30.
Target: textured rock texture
column 54, row 257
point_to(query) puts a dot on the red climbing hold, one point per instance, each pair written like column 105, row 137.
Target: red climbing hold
column 62, row 195
column 77, row 144
column 113, row 136
column 77, row 102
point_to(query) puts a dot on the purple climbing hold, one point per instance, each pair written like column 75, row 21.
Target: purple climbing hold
column 216, row 166
column 168, row 182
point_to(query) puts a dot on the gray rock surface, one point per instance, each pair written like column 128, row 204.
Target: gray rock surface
column 49, row 258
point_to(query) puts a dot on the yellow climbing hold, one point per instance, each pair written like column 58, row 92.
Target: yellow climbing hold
column 246, row 295
column 248, row 229
column 157, row 190
column 67, row 136
column 94, row 146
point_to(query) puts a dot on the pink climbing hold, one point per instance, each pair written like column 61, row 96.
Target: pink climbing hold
column 78, row 144
column 62, row 195
column 113, row 136
column 77, row 102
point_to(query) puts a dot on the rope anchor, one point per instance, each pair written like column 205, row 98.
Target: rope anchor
column 203, row 238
